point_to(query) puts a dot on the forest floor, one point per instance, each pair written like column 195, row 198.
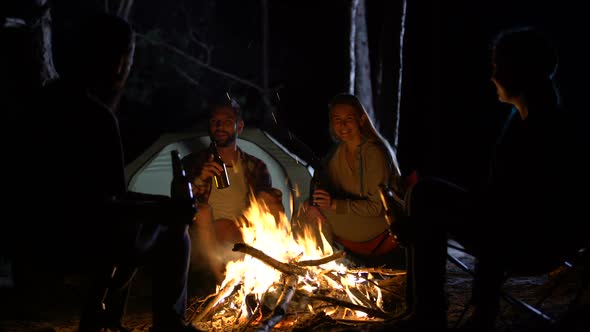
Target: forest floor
column 56, row 308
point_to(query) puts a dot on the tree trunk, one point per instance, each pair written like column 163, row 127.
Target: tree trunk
column 42, row 36
column 34, row 18
column 400, row 74
column 385, row 20
column 352, row 47
column 361, row 85
column 124, row 9
column 376, row 36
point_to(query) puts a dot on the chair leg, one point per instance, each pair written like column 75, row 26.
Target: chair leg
column 94, row 309
column 530, row 308
column 507, row 297
column 460, row 264
column 462, row 315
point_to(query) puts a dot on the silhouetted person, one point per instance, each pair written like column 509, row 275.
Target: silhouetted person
column 19, row 84
column 526, row 217
column 94, row 221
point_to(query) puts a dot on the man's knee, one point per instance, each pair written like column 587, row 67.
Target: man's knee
column 272, row 198
column 204, row 214
column 273, row 201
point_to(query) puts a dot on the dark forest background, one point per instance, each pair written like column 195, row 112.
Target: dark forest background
column 190, row 53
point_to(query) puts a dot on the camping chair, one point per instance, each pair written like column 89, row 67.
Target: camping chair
column 576, row 265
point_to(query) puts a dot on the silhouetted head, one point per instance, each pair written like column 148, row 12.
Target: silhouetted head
column 19, row 66
column 105, row 48
column 523, row 60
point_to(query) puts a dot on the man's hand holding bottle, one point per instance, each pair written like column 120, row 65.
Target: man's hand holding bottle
column 210, row 169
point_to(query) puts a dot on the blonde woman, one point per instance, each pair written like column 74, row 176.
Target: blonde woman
column 346, row 205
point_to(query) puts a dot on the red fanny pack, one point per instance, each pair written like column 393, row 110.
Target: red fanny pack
column 379, row 245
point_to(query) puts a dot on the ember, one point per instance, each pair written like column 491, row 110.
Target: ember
column 287, row 282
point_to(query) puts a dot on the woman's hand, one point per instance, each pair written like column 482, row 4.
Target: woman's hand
column 313, row 212
column 323, row 199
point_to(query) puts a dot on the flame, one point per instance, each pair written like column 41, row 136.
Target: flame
column 276, row 239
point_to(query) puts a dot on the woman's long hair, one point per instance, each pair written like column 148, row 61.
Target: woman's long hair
column 367, row 128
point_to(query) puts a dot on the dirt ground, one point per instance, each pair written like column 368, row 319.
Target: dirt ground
column 56, row 307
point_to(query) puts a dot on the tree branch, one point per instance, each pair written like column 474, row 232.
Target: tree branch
column 316, row 262
column 186, row 76
column 221, row 294
column 208, row 49
column 346, row 304
column 200, row 63
column 125, row 9
column 378, row 270
column 282, row 305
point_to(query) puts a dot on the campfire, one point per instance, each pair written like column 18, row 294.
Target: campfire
column 288, row 282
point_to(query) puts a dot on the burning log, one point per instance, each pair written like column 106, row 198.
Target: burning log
column 280, row 266
column 319, row 321
column 316, row 262
column 282, row 304
column 298, row 285
column 352, row 291
column 292, row 270
column 221, row 294
column 387, row 290
column 377, row 270
column 255, row 313
column 345, row 304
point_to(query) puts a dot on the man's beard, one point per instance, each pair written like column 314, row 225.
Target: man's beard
column 229, row 140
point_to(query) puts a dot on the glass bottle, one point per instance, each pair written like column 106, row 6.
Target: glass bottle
column 221, row 180
column 182, row 189
column 313, row 185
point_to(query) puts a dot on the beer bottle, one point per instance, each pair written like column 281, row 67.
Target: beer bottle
column 313, row 185
column 182, row 189
column 221, row 180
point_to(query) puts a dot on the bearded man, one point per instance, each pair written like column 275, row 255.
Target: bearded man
column 216, row 227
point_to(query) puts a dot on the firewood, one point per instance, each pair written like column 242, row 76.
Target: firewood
column 279, row 266
column 280, row 309
column 316, row 262
column 378, row 270
column 346, row 304
column 355, row 292
column 387, row 290
column 257, row 312
column 221, row 294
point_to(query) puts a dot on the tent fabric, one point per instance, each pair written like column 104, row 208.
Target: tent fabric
column 151, row 172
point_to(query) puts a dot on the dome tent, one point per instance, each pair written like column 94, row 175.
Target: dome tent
column 151, row 171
